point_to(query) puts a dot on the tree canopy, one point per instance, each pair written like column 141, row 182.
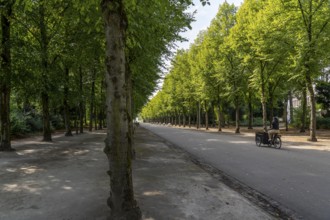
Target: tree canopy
column 263, row 50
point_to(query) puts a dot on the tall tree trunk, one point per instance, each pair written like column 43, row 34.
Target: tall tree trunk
column 101, row 107
column 92, row 115
column 198, row 115
column 237, row 130
column 96, row 117
column 81, row 104
column 219, row 110
column 264, row 114
column 271, row 108
column 67, row 118
column 285, row 116
column 47, row 136
column 304, row 110
column 308, row 73
column 5, row 78
column 313, row 109
column 291, row 107
column 263, row 97
column 206, row 117
column 189, row 121
column 250, row 111
column 76, row 120
column 117, row 144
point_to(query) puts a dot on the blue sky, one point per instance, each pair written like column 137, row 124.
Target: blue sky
column 203, row 17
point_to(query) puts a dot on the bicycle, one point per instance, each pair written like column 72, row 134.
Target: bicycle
column 263, row 138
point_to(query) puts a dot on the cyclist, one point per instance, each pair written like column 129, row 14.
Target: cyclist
column 275, row 128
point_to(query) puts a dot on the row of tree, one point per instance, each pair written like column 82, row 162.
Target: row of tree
column 263, row 51
column 51, row 59
column 54, row 55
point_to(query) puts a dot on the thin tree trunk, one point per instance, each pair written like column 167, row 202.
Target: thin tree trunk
column 76, row 121
column 81, row 104
column 263, row 98
column 291, row 107
column 198, row 115
column 96, row 117
column 304, row 110
column 264, row 115
column 47, row 136
column 117, row 144
column 92, row 103
column 5, row 80
column 313, row 109
column 67, row 118
column 271, row 108
column 308, row 73
column 101, row 107
column 189, row 121
column 237, row 130
column 219, row 109
column 285, row 116
column 250, row 111
column 206, row 117
column 85, row 114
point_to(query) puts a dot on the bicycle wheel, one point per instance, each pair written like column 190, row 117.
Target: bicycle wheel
column 258, row 141
column 277, row 142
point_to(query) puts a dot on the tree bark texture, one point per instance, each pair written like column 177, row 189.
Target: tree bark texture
column 237, row 130
column 291, row 107
column 198, row 115
column 285, row 116
column 81, row 104
column 304, row 111
column 250, row 111
column 117, row 144
column 219, row 109
column 5, row 79
column 206, row 117
column 129, row 103
column 263, row 96
column 92, row 115
column 67, row 118
column 271, row 108
column 308, row 73
column 189, row 121
column 47, row 136
column 312, row 136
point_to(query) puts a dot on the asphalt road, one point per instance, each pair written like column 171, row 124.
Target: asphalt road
column 297, row 179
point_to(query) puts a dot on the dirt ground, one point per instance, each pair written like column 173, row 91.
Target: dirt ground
column 64, row 179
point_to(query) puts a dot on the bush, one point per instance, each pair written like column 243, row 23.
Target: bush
column 34, row 122
column 257, row 121
column 322, row 123
column 57, row 122
column 18, row 123
column 23, row 123
column 297, row 114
